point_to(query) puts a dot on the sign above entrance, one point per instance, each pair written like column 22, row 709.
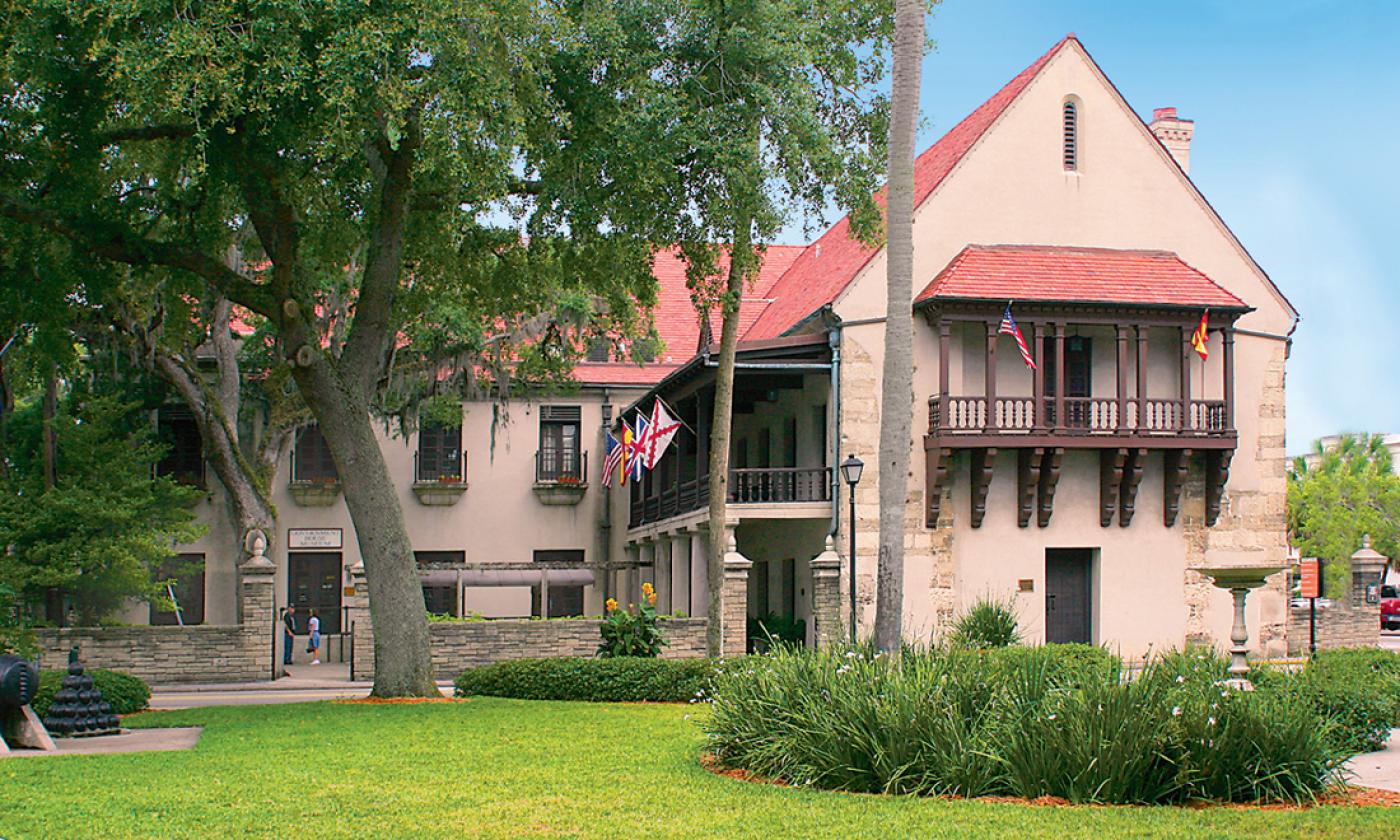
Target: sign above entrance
column 314, row 538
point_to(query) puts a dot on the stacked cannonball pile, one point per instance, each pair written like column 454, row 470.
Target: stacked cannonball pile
column 78, row 707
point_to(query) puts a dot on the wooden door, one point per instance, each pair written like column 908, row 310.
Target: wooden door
column 1069, row 595
column 313, row 583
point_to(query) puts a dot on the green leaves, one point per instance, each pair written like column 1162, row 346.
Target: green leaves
column 1349, row 491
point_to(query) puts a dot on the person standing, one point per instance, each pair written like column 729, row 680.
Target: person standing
column 289, row 632
column 313, row 625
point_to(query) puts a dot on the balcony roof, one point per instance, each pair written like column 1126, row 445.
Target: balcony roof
column 1061, row 275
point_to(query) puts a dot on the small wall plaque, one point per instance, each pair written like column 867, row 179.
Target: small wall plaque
column 314, row 538
column 1025, row 585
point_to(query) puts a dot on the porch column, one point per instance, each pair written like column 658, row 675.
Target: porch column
column 1227, row 357
column 945, row 349
column 1122, row 377
column 1038, row 376
column 1060, row 376
column 1186, row 351
column 646, row 570
column 664, row 547
column 827, row 628
column 991, row 364
column 734, row 622
column 679, row 598
column 699, row 571
column 1142, row 334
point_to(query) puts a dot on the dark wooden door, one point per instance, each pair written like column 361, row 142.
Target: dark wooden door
column 1068, row 595
column 313, row 583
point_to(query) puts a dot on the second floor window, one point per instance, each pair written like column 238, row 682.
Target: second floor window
column 439, row 453
column 559, row 442
column 184, row 453
column 312, row 459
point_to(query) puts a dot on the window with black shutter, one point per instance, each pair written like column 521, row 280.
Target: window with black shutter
column 1071, row 136
column 182, row 580
column 184, row 448
column 312, row 460
column 440, row 453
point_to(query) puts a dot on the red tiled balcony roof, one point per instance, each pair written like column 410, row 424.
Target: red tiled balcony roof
column 1058, row 274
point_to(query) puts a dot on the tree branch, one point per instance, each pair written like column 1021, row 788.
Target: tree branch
column 125, row 246
column 172, row 131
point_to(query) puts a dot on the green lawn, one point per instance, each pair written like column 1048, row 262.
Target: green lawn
column 508, row 768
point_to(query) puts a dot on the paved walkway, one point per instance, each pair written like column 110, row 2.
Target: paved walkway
column 134, row 740
column 302, row 684
column 1379, row 769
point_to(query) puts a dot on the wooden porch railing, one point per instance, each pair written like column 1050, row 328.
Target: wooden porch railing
column 771, row 485
column 1082, row 415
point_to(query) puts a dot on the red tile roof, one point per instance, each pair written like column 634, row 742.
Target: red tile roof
column 1050, row 273
column 828, row 265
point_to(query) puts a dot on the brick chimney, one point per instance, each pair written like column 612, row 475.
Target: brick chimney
column 1175, row 133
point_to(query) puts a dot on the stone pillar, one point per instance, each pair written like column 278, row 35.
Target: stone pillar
column 734, row 621
column 1367, row 571
column 665, row 586
column 361, row 628
column 827, row 628
column 257, row 607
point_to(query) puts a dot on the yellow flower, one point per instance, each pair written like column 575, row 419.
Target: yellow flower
column 612, row 604
column 651, row 599
column 648, row 590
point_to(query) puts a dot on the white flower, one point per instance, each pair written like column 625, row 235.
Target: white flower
column 851, row 653
column 1210, row 721
column 1052, row 717
column 1176, row 711
column 1181, row 678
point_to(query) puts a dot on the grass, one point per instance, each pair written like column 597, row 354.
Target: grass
column 515, row 768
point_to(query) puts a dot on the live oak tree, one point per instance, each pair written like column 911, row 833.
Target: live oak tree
column 773, row 110
column 897, row 383
column 423, row 192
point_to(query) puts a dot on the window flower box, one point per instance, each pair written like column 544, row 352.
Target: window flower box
column 319, row 493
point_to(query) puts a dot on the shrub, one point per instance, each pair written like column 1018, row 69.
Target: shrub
column 632, row 634
column 987, row 624
column 764, row 632
column 1055, row 720
column 1355, row 701
column 126, row 693
column 1378, row 669
column 614, row 680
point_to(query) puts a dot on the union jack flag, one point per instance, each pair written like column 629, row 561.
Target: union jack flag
column 612, row 458
column 1008, row 326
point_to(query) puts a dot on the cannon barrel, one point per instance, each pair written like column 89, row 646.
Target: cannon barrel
column 18, row 682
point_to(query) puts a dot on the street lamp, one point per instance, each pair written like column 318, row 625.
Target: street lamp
column 850, row 470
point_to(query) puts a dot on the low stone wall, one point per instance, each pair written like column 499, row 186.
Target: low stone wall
column 164, row 655
column 1338, row 625
column 459, row 645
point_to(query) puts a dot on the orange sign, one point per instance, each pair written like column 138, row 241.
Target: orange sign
column 1312, row 579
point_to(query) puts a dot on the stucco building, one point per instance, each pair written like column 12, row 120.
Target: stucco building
column 1085, row 489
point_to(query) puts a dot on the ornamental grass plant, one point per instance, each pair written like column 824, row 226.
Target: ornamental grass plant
column 1022, row 721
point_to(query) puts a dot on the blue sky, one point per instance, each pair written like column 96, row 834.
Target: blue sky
column 1297, row 145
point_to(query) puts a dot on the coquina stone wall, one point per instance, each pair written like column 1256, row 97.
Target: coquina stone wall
column 459, row 645
column 165, row 655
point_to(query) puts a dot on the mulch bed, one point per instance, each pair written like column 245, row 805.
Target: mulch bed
column 1344, row 796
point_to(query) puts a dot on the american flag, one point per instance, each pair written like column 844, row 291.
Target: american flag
column 1008, row 326
column 612, row 458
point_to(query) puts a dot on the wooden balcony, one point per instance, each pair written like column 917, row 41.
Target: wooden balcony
column 765, row 486
column 1080, row 422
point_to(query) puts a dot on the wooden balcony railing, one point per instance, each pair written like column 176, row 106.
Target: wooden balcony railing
column 1082, row 415
column 773, row 485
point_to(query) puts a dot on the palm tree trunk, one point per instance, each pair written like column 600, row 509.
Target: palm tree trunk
column 897, row 386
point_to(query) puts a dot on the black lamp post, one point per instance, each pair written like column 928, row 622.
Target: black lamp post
column 850, row 470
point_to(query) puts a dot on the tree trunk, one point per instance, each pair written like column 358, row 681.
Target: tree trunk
column 402, row 656
column 897, row 386
column 719, row 435
column 50, row 434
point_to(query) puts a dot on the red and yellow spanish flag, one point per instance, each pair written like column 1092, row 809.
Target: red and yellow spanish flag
column 1199, row 339
column 627, row 451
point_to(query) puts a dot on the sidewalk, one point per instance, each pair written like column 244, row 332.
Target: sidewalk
column 329, row 675
column 1379, row 769
column 302, row 684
